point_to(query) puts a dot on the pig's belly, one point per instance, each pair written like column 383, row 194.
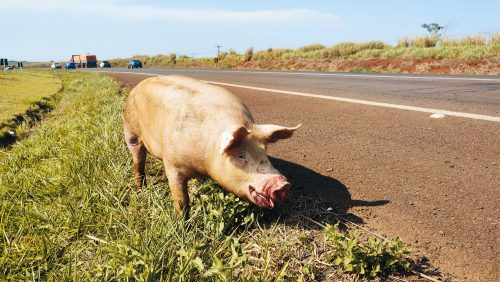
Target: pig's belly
column 153, row 144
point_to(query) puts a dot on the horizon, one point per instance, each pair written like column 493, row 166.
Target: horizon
column 113, row 29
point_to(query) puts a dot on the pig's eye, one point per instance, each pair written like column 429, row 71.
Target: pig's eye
column 241, row 159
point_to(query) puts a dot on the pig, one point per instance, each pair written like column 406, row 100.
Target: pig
column 200, row 129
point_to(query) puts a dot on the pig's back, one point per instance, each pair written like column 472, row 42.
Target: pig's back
column 175, row 109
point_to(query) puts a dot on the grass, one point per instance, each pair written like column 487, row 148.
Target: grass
column 69, row 211
column 361, row 69
column 20, row 90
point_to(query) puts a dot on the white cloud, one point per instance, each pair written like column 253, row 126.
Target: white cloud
column 114, row 8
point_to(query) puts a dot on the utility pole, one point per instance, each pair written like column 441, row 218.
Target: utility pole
column 216, row 60
column 218, row 50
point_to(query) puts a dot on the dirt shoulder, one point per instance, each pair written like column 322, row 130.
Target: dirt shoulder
column 490, row 66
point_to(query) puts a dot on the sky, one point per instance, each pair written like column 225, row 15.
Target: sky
column 44, row 30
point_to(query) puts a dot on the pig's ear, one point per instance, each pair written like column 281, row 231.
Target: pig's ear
column 270, row 133
column 232, row 137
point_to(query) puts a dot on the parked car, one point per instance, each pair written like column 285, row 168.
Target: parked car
column 70, row 66
column 134, row 64
column 55, row 66
column 105, row 64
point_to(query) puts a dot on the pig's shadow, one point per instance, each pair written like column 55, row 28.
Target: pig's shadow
column 313, row 193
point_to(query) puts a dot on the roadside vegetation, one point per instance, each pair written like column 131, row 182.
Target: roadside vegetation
column 69, row 211
column 476, row 54
column 24, row 98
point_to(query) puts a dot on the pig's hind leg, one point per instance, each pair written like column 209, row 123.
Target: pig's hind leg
column 138, row 151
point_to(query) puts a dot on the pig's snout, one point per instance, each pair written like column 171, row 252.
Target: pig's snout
column 274, row 189
column 279, row 189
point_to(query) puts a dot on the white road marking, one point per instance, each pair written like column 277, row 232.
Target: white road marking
column 437, row 116
column 348, row 100
column 364, row 102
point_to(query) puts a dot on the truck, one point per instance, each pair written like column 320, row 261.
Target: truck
column 84, row 61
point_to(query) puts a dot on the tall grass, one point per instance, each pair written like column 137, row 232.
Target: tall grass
column 475, row 40
column 312, row 47
column 424, row 41
column 408, row 48
column 495, row 39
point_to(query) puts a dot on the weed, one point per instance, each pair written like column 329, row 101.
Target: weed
column 374, row 258
column 360, row 69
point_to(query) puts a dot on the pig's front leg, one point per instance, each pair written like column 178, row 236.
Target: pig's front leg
column 178, row 186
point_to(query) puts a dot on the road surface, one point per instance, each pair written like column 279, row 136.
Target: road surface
column 433, row 181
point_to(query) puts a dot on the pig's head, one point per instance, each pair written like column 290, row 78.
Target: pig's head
column 243, row 168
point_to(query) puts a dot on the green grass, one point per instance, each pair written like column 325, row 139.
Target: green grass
column 69, row 210
column 20, row 90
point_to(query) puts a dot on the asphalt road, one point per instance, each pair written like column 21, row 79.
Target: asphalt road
column 434, row 182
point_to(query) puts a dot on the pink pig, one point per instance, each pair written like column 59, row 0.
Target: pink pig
column 201, row 129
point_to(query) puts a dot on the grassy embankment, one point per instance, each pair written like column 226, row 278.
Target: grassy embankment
column 68, row 211
column 423, row 54
column 24, row 97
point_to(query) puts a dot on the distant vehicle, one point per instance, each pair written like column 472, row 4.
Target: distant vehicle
column 134, row 64
column 70, row 66
column 84, row 61
column 105, row 64
column 55, row 66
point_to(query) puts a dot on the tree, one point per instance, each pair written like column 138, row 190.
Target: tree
column 432, row 28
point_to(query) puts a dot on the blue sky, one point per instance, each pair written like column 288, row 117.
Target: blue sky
column 42, row 30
